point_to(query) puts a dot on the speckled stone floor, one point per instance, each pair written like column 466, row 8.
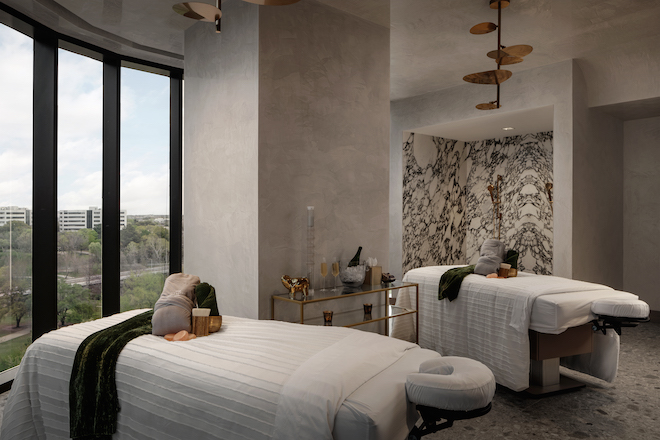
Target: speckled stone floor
column 628, row 408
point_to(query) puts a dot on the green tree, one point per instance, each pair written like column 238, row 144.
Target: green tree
column 141, row 291
column 15, row 299
column 73, row 303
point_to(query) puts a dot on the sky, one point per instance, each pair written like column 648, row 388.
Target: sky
column 144, row 141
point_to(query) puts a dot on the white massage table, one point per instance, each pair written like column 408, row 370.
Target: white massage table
column 516, row 325
column 251, row 380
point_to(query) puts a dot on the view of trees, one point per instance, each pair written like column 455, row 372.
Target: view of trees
column 144, row 265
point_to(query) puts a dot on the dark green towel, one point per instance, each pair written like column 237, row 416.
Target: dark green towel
column 93, row 402
column 205, row 294
column 450, row 282
column 512, row 258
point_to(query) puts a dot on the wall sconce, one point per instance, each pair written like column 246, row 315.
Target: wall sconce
column 201, row 12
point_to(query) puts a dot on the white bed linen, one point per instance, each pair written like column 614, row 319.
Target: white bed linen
column 226, row 385
column 489, row 320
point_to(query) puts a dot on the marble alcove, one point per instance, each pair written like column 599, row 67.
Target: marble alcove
column 447, row 209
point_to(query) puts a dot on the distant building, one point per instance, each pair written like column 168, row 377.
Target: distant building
column 14, row 213
column 68, row 219
column 74, row 220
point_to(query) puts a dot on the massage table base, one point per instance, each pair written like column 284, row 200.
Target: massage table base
column 432, row 416
column 545, row 351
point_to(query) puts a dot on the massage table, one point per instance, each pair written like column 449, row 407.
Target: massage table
column 254, row 380
column 523, row 328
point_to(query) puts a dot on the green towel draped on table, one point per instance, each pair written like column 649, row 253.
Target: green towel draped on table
column 451, row 280
column 93, row 402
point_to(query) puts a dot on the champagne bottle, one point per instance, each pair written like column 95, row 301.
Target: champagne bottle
column 356, row 259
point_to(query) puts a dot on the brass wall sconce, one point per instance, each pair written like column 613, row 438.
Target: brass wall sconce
column 502, row 55
column 548, row 188
column 495, row 197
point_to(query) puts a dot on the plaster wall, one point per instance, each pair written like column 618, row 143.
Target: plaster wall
column 597, row 191
column 221, row 157
column 549, row 85
column 323, row 140
column 641, row 209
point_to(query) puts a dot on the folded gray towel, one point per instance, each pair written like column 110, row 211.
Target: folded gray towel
column 491, row 256
column 173, row 309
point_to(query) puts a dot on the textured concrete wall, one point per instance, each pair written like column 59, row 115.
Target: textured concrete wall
column 221, row 157
column 641, row 209
column 323, row 139
column 597, row 191
column 549, row 85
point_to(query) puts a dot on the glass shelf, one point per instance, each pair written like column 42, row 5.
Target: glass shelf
column 346, row 313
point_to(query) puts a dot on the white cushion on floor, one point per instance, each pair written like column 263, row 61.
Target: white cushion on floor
column 451, row 383
column 624, row 308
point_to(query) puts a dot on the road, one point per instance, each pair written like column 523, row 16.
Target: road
column 96, row 279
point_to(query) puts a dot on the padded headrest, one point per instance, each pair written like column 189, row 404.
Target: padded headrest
column 451, row 383
column 623, row 308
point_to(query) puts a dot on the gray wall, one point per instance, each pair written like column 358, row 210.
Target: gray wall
column 597, row 191
column 641, row 217
column 288, row 107
column 323, row 139
column 549, row 85
column 221, row 157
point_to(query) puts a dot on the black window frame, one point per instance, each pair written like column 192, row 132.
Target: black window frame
column 44, row 204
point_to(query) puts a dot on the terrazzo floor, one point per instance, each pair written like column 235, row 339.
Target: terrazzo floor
column 628, row 408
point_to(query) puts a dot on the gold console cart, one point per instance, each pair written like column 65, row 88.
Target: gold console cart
column 383, row 311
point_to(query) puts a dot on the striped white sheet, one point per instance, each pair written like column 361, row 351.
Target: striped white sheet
column 223, row 386
column 489, row 320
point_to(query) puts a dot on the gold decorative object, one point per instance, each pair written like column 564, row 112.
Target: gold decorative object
column 215, row 324
column 296, row 285
column 201, row 12
column 327, row 317
column 502, row 55
column 495, row 197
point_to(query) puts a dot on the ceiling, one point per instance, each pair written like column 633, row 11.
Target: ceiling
column 431, row 47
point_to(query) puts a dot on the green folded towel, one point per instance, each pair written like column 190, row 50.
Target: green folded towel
column 93, row 402
column 450, row 282
column 205, row 294
column 512, row 258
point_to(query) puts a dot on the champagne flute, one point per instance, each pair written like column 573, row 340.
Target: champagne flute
column 335, row 272
column 324, row 272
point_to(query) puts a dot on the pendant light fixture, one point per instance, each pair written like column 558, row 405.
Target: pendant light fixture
column 502, row 55
column 210, row 13
column 201, row 12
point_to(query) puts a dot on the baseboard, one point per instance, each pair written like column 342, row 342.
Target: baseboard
column 655, row 315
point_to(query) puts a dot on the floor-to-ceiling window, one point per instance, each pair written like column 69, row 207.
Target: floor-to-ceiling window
column 79, row 187
column 15, row 195
column 65, row 150
column 145, row 186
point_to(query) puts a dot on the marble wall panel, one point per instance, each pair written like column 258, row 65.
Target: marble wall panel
column 447, row 209
column 525, row 164
column 433, row 202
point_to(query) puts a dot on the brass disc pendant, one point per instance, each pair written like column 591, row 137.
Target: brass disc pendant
column 505, row 61
column 488, row 77
column 493, row 3
column 488, row 106
column 272, row 2
column 495, row 54
column 519, row 50
column 198, row 11
column 483, row 28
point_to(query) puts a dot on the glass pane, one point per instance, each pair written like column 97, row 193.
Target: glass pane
column 79, row 187
column 144, row 186
column 16, row 52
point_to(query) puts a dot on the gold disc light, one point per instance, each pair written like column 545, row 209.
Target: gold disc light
column 201, row 12
column 502, row 55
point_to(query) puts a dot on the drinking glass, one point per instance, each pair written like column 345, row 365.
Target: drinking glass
column 335, row 272
column 324, row 272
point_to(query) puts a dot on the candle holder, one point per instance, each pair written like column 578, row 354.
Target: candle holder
column 327, row 317
column 367, row 311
